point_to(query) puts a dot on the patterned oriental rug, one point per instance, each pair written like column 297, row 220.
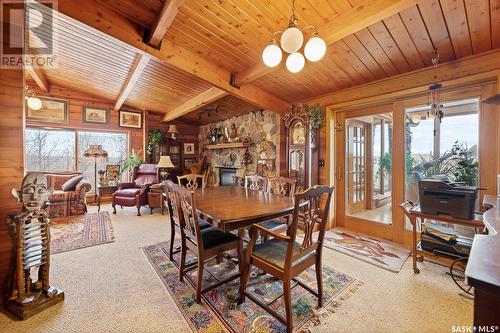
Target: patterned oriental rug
column 219, row 312
column 375, row 251
column 75, row 232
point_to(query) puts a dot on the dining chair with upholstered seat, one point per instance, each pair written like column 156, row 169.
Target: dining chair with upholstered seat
column 206, row 243
column 284, row 257
column 175, row 226
column 192, row 181
column 256, row 183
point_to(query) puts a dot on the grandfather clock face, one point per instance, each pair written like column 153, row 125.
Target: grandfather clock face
column 298, row 134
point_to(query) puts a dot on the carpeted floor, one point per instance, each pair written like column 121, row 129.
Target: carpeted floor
column 113, row 288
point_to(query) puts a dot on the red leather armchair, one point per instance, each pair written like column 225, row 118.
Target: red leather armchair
column 135, row 193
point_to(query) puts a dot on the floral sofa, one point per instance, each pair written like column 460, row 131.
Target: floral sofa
column 66, row 203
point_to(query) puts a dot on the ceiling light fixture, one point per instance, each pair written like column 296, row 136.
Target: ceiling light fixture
column 291, row 42
column 434, row 103
column 34, row 102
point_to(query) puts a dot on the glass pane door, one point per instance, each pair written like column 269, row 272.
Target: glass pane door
column 368, row 168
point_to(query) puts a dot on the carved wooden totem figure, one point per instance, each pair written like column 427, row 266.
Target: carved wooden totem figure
column 29, row 288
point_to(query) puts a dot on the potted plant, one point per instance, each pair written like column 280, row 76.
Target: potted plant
column 315, row 116
column 133, row 160
column 155, row 137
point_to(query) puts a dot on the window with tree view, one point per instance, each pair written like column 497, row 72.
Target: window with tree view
column 446, row 149
column 53, row 150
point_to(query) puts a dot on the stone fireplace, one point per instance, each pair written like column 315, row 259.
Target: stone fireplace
column 260, row 128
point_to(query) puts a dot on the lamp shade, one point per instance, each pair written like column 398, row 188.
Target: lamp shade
column 96, row 152
column 165, row 162
column 295, row 62
column 172, row 129
column 272, row 55
column 291, row 40
column 315, row 49
column 34, row 103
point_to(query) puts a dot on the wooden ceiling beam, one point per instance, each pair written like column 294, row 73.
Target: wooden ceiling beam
column 203, row 99
column 140, row 63
column 361, row 16
column 39, row 77
column 164, row 20
column 109, row 23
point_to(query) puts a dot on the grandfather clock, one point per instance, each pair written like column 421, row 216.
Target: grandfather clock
column 301, row 148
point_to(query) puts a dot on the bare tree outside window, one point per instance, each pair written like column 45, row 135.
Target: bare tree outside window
column 50, row 150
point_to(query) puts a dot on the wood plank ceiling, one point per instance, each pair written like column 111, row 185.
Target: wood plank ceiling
column 232, row 34
column 227, row 107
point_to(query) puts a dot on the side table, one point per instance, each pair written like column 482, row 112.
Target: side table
column 156, row 199
column 102, row 190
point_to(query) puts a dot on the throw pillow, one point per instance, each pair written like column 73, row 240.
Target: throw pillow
column 70, row 185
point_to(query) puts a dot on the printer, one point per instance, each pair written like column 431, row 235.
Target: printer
column 438, row 197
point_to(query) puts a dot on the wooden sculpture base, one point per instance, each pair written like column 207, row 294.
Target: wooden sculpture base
column 34, row 303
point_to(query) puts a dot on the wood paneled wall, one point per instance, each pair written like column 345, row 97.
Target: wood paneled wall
column 11, row 157
column 188, row 133
column 76, row 101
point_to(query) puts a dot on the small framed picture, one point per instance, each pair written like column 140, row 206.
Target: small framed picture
column 95, row 115
column 113, row 172
column 188, row 161
column 189, row 148
column 130, row 119
column 51, row 111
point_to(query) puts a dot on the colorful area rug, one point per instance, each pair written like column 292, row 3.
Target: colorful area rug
column 375, row 251
column 76, row 232
column 219, row 311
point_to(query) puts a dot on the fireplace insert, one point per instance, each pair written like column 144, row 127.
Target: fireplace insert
column 226, row 176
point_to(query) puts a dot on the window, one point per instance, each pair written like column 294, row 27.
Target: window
column 114, row 143
column 49, row 150
column 54, row 150
column 443, row 150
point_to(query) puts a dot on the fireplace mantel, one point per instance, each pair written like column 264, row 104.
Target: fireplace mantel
column 228, row 145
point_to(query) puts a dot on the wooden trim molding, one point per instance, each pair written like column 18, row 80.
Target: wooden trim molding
column 140, row 63
column 164, row 20
column 39, row 77
column 199, row 101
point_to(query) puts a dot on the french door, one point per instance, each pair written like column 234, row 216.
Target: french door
column 364, row 152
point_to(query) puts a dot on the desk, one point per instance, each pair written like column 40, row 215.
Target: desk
column 232, row 208
column 414, row 213
column 483, row 267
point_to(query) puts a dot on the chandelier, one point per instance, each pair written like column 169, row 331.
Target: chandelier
column 434, row 103
column 291, row 41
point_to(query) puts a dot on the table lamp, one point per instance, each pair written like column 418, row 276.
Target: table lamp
column 94, row 153
column 172, row 130
column 164, row 163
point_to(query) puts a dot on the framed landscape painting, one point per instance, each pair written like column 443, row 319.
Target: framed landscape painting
column 52, row 111
column 189, row 148
column 130, row 119
column 95, row 115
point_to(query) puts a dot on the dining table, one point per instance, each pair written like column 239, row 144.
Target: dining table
column 230, row 208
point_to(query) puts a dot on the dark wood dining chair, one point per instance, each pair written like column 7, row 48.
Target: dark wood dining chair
column 256, row 183
column 205, row 243
column 175, row 226
column 284, row 187
column 192, row 181
column 284, row 258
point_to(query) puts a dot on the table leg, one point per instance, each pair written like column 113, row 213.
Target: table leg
column 98, row 203
column 413, row 220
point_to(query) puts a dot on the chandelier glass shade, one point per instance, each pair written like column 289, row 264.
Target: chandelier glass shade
column 295, row 62
column 291, row 41
column 34, row 103
column 272, row 55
